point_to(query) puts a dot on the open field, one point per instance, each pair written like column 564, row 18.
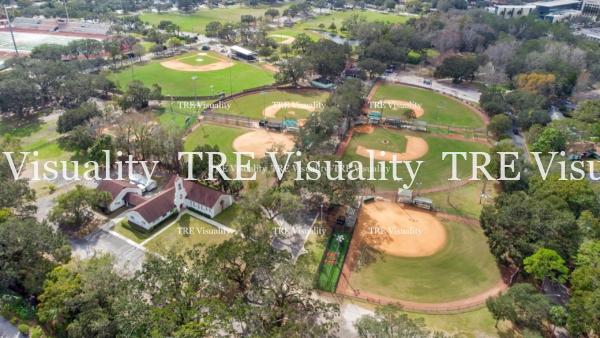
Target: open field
column 463, row 267
column 184, row 234
column 279, row 104
column 233, row 79
column 433, row 172
column 196, row 22
column 438, row 108
column 338, row 18
column 464, row 201
column 214, row 134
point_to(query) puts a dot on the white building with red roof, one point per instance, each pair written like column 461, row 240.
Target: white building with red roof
column 176, row 196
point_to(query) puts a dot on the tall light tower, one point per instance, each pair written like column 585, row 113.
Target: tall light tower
column 12, row 35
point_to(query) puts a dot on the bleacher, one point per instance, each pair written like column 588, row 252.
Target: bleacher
column 60, row 25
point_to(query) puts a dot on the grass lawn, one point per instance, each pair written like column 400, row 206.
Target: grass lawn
column 433, row 171
column 463, row 268
column 315, row 245
column 478, row 323
column 137, row 234
column 187, row 232
column 229, row 216
column 464, row 201
column 214, row 134
column 439, row 109
column 338, row 18
column 252, row 106
column 196, row 22
column 174, row 113
column 239, row 77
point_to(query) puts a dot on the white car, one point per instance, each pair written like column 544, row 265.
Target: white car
column 142, row 182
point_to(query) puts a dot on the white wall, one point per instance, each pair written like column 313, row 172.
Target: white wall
column 119, row 201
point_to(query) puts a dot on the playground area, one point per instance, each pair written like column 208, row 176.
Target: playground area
column 260, row 141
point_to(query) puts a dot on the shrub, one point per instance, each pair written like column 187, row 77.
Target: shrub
column 23, row 328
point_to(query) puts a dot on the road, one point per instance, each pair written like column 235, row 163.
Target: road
column 7, row 330
column 467, row 94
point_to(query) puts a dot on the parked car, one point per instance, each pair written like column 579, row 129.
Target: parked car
column 143, row 183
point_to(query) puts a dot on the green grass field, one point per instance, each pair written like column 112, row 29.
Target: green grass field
column 187, row 232
column 252, row 106
column 439, row 109
column 214, row 134
column 175, row 113
column 433, row 172
column 330, row 273
column 464, row 201
column 463, row 268
column 196, row 22
column 338, row 19
column 234, row 79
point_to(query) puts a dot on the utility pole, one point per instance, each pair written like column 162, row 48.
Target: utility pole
column 66, row 10
column 12, row 35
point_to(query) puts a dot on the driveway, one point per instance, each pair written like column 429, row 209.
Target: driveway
column 128, row 258
column 7, row 330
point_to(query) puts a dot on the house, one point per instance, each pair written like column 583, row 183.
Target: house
column 177, row 196
column 119, row 190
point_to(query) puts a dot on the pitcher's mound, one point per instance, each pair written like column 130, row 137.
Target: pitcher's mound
column 416, row 148
column 261, row 141
column 400, row 231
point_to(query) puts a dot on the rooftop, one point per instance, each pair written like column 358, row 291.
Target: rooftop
column 556, row 3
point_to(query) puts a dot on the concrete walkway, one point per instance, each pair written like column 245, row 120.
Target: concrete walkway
column 7, row 330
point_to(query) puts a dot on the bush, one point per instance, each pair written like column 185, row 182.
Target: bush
column 36, row 332
column 23, row 328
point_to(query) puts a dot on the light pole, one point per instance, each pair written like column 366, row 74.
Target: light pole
column 194, row 78
column 12, row 35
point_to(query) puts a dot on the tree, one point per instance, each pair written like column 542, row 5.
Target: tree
column 539, row 83
column 550, row 139
column 73, row 209
column 78, row 298
column 137, row 96
column 97, row 150
column 292, row 71
column 327, row 58
column 212, row 29
column 588, row 111
column 48, row 51
column 499, row 125
column 492, row 101
column 16, row 197
column 18, row 96
column 278, row 201
column 459, row 68
column 72, row 118
column 522, row 305
column 348, row 97
column 302, row 42
column 389, row 321
column 28, row 251
column 373, row 67
column 584, row 310
column 272, row 13
column 174, row 42
column 547, row 263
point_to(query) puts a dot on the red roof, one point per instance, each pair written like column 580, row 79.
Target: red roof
column 157, row 206
column 201, row 194
column 114, row 187
column 134, row 199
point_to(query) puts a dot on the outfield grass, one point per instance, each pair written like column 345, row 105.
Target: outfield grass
column 433, row 171
column 187, row 232
column 463, row 268
column 214, row 134
column 252, row 106
column 174, row 113
column 382, row 139
column 196, row 22
column 465, row 201
column 234, row 79
column 439, row 109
